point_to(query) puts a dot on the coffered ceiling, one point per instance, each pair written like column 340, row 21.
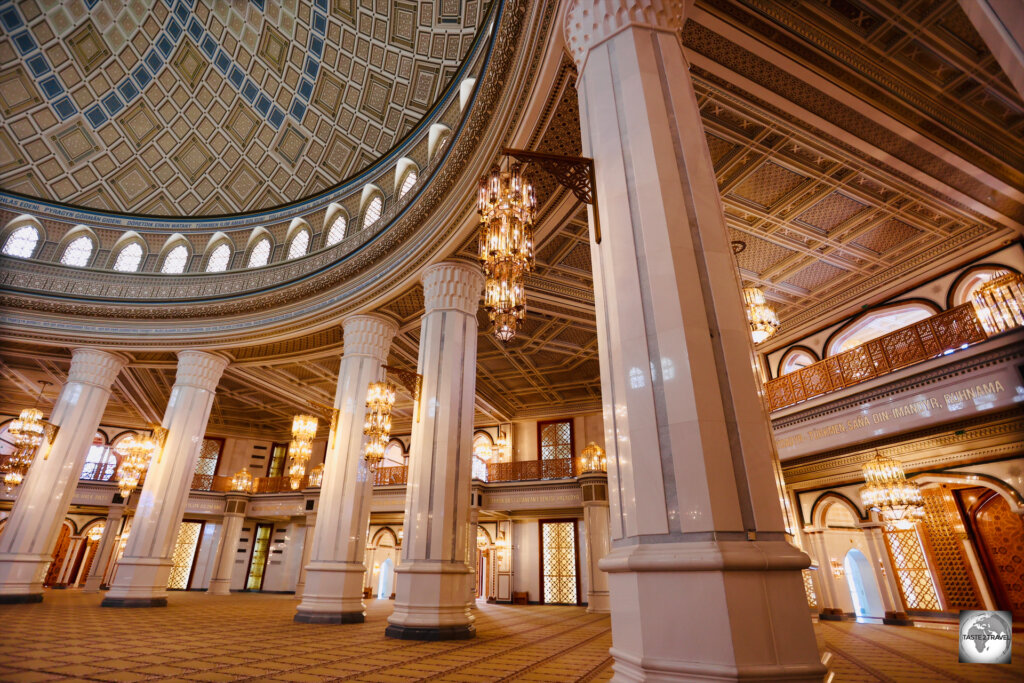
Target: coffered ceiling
column 179, row 107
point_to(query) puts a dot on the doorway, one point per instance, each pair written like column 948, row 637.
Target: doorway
column 184, row 556
column 387, row 579
column 867, row 600
column 259, row 557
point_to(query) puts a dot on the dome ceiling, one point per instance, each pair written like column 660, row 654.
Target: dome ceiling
column 172, row 107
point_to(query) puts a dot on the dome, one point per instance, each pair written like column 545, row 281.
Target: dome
column 193, row 108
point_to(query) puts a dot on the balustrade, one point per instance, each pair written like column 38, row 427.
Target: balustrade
column 389, row 476
column 525, row 470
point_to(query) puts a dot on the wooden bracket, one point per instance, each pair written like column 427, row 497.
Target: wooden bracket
column 573, row 173
column 412, row 381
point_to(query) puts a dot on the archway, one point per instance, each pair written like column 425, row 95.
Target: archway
column 864, row 591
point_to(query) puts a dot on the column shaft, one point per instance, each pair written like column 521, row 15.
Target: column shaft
column 142, row 575
column 596, row 520
column 333, row 592
column 27, row 543
column 231, row 533
column 431, row 581
column 307, row 549
column 105, row 551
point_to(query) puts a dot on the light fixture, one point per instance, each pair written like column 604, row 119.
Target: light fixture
column 483, row 541
column 507, row 206
column 28, row 429
column 28, row 432
column 762, row 318
column 898, row 501
column 242, row 481
column 499, row 450
column 999, row 302
column 138, row 454
column 380, row 399
column 316, row 476
column 592, row 459
column 96, row 532
column 16, row 466
column 501, row 545
column 301, row 447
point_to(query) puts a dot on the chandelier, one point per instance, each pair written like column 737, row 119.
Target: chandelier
column 138, row 454
column 999, row 302
column 483, row 541
column 761, row 316
column 499, row 450
column 380, row 399
column 592, row 459
column 242, row 481
column 27, row 431
column 301, row 448
column 507, row 206
column 96, row 532
column 887, row 490
column 316, row 476
column 15, row 467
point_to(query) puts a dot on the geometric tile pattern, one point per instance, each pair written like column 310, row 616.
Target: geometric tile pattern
column 154, row 83
column 559, row 562
column 184, row 554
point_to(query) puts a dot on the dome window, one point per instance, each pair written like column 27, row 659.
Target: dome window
column 408, row 183
column 175, row 260
column 337, row 231
column 129, row 258
column 219, row 259
column 373, row 211
column 260, row 254
column 22, row 242
column 299, row 245
column 77, row 253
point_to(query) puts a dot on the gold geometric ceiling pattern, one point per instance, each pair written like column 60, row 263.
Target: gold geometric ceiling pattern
column 179, row 107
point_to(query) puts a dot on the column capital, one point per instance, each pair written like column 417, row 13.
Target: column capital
column 368, row 334
column 199, row 369
column 96, row 367
column 589, row 23
column 452, row 284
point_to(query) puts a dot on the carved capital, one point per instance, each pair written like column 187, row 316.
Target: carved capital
column 199, row 369
column 452, row 284
column 369, row 334
column 96, row 367
column 589, row 23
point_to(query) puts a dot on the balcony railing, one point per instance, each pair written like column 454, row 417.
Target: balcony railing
column 390, row 476
column 525, row 470
column 914, row 343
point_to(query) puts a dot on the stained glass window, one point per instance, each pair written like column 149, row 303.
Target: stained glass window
column 555, row 439
column 337, row 231
column 219, row 259
column 129, row 258
column 175, row 260
column 299, row 244
column 22, row 242
column 184, row 554
column 260, row 551
column 373, row 211
column 407, row 183
column 559, row 562
column 260, row 254
column 78, row 252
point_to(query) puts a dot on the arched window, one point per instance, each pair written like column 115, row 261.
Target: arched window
column 337, row 231
column 218, row 261
column 176, row 260
column 100, row 462
column 373, row 211
column 260, row 254
column 794, row 360
column 483, row 450
column 394, row 454
column 77, row 253
column 22, row 242
column 408, row 182
column 129, row 258
column 878, row 323
column 299, row 244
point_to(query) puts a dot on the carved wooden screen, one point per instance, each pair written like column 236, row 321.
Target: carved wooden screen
column 913, row 576
column 206, row 465
column 945, row 530
column 556, row 440
column 812, row 597
column 559, row 582
column 1001, row 533
column 184, row 555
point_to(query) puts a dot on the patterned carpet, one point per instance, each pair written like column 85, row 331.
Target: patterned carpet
column 202, row 637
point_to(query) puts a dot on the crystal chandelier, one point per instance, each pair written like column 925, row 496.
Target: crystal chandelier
column 96, row 532
column 301, row 448
column 242, row 481
column 499, row 450
column 483, row 541
column 999, row 302
column 28, row 431
column 507, row 206
column 592, row 459
column 377, row 427
column 887, row 490
column 138, row 453
column 761, row 316
column 316, row 476
column 16, row 466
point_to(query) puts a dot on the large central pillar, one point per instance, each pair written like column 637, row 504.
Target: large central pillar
column 431, row 587
column 144, row 569
column 703, row 584
column 333, row 592
column 26, row 545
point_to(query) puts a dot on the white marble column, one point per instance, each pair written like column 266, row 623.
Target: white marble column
column 106, row 548
column 472, row 551
column 596, row 520
column 307, row 542
column 431, row 580
column 235, row 505
column 703, row 583
column 142, row 574
column 333, row 592
column 27, row 543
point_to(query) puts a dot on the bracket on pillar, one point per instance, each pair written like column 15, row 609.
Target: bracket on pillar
column 573, row 173
column 159, row 438
column 327, row 413
column 412, row 381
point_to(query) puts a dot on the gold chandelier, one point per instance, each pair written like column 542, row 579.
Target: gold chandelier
column 507, row 206
column 28, row 431
column 16, row 466
column 762, row 318
column 316, row 476
column 96, row 532
column 301, row 448
column 380, row 399
column 999, row 302
column 592, row 459
column 499, row 450
column 886, row 489
column 138, row 454
column 242, row 481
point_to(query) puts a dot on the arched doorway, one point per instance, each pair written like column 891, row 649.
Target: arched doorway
column 999, row 532
column 867, row 599
column 386, row 579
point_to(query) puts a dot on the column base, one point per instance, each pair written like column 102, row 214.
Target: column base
column 139, row 582
column 20, row 598
column 134, row 602
column 333, row 594
column 831, row 614
column 711, row 610
column 93, row 584
column 326, row 618
column 598, row 602
column 22, row 574
column 219, row 587
column 897, row 619
column 430, row 633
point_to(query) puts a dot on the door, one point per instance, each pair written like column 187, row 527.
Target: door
column 559, row 565
column 260, row 555
column 183, row 558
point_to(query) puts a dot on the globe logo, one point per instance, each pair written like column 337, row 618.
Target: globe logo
column 985, row 637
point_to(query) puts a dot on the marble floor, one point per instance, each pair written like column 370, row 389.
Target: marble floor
column 202, row 637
